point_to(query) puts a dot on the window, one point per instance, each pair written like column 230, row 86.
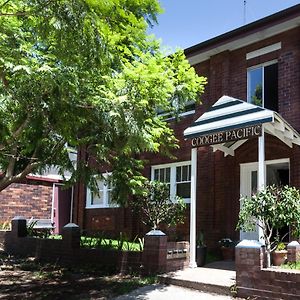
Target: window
column 189, row 108
column 177, row 176
column 263, row 85
column 101, row 198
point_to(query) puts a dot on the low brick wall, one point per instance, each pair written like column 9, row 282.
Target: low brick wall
column 255, row 281
column 68, row 251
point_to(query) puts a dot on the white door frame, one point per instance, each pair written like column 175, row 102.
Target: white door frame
column 245, row 185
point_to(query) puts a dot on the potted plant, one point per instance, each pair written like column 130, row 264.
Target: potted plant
column 271, row 209
column 201, row 250
column 279, row 255
column 227, row 248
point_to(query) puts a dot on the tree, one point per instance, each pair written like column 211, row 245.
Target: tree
column 271, row 209
column 84, row 73
column 156, row 207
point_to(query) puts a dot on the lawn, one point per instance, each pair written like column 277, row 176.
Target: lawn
column 25, row 278
column 291, row 266
column 105, row 243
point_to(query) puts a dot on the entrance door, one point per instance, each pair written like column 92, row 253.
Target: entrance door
column 277, row 173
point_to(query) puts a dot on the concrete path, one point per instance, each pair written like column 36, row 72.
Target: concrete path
column 163, row 292
column 213, row 278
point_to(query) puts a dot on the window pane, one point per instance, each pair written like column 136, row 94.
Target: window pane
column 97, row 198
column 109, row 199
column 178, row 174
column 253, row 182
column 184, row 190
column 168, row 170
column 162, row 175
column 156, row 174
column 271, row 87
column 184, row 176
column 255, row 86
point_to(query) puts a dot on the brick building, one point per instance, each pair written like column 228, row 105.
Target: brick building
column 41, row 197
column 258, row 63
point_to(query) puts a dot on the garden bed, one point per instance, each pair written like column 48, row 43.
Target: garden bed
column 25, row 278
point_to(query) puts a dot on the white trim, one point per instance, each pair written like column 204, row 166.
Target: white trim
column 244, row 41
column 105, row 204
column 193, row 222
column 173, row 181
column 186, row 113
column 263, row 51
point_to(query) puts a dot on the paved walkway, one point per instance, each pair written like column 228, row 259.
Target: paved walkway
column 163, row 292
column 216, row 277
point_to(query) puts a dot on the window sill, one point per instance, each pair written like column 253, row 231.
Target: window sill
column 101, row 206
column 187, row 113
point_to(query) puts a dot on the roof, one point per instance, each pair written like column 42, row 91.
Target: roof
column 245, row 35
column 229, row 113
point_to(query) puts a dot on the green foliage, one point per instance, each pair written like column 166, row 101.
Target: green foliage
column 85, row 73
column 156, row 207
column 5, row 225
column 271, row 209
column 42, row 233
column 281, row 246
column 291, row 265
column 200, row 239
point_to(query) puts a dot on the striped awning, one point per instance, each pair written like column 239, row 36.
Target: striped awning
column 229, row 114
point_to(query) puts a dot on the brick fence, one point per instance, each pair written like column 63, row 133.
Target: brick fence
column 154, row 258
column 257, row 282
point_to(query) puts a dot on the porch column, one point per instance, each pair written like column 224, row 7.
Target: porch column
column 261, row 176
column 193, row 263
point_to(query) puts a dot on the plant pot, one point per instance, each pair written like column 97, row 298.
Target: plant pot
column 279, row 257
column 228, row 253
column 201, row 255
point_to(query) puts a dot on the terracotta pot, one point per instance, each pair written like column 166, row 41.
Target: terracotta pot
column 228, row 253
column 279, row 257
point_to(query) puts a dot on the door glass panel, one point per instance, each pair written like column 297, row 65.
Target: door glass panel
column 253, row 182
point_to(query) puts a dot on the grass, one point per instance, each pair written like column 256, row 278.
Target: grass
column 291, row 266
column 105, row 243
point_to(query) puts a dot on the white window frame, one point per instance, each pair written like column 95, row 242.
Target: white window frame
column 263, row 65
column 105, row 203
column 173, row 182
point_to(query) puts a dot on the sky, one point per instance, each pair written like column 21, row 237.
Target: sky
column 185, row 23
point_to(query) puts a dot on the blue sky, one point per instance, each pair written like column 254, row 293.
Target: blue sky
column 188, row 22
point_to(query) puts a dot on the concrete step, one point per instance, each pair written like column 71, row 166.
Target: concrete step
column 210, row 280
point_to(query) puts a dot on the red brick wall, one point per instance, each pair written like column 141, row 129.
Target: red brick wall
column 33, row 199
column 255, row 282
column 218, row 179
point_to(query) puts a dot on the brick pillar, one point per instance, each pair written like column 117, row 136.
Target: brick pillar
column 155, row 252
column 249, row 259
column 18, row 227
column 71, row 235
column 293, row 249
